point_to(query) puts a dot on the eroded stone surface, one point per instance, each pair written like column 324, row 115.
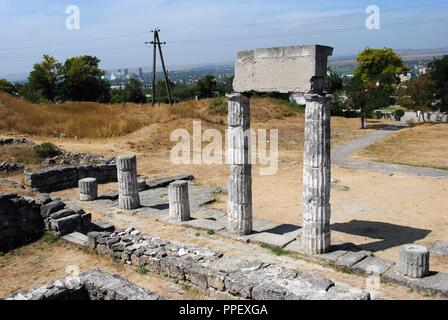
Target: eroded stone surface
column 284, row 69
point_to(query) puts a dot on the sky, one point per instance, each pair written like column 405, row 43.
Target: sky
column 208, row 31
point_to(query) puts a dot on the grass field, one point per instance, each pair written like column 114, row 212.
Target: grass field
column 94, row 120
column 425, row 146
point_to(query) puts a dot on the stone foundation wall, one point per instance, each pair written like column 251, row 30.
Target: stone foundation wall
column 211, row 270
column 60, row 178
column 91, row 285
column 20, row 221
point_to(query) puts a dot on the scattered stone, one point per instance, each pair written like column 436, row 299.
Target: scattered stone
column 165, row 182
column 439, row 248
column 76, row 238
column 351, row 258
column 91, row 285
column 372, row 265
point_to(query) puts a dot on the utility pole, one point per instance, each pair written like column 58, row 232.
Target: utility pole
column 156, row 43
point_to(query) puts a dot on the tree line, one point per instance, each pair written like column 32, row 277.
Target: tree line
column 81, row 79
column 376, row 84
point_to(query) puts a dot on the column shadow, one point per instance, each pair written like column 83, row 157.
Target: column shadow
column 391, row 235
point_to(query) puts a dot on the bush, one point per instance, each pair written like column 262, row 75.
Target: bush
column 410, row 123
column 50, row 238
column 217, row 105
column 378, row 114
column 398, row 114
column 46, row 150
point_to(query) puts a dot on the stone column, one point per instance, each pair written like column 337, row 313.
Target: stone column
column 316, row 176
column 414, row 261
column 88, row 189
column 179, row 201
column 239, row 213
column 128, row 197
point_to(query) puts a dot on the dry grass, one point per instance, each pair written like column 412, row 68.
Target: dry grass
column 38, row 263
column 425, row 146
column 94, row 120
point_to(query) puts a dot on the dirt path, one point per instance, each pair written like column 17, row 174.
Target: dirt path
column 342, row 156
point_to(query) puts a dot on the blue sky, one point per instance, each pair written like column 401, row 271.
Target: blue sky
column 201, row 31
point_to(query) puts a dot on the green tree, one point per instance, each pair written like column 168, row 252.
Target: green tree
column 439, row 74
column 83, row 80
column 207, row 86
column 45, row 78
column 417, row 93
column 333, row 82
column 134, row 91
column 7, row 86
column 375, row 80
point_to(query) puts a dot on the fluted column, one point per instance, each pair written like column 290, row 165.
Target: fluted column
column 88, row 189
column 240, row 177
column 316, row 237
column 127, row 183
column 179, row 201
column 414, row 261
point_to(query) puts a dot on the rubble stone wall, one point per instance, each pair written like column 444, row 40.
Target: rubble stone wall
column 20, row 221
column 211, row 270
column 60, row 178
column 91, row 285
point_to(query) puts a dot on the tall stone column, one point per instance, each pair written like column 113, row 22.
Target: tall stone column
column 240, row 177
column 128, row 197
column 316, row 175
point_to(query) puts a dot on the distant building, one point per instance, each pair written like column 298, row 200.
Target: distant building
column 407, row 76
column 126, row 71
column 140, row 73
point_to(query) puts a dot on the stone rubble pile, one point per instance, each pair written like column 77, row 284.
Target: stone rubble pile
column 10, row 167
column 210, row 270
column 91, row 285
column 8, row 141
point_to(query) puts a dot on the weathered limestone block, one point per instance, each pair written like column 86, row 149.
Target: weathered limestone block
column 414, row 261
column 88, row 189
column 284, row 69
column 127, row 183
column 179, row 201
column 316, row 176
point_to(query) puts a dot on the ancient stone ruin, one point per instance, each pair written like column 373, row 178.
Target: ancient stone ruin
column 91, row 285
column 293, row 70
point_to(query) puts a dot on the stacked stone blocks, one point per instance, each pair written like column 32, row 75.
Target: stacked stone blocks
column 128, row 198
column 239, row 158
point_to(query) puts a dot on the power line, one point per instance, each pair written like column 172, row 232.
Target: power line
column 354, row 14
column 274, row 35
column 224, row 26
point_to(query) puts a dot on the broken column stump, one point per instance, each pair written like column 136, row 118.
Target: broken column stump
column 240, row 178
column 179, row 201
column 88, row 189
column 128, row 197
column 316, row 176
column 414, row 261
